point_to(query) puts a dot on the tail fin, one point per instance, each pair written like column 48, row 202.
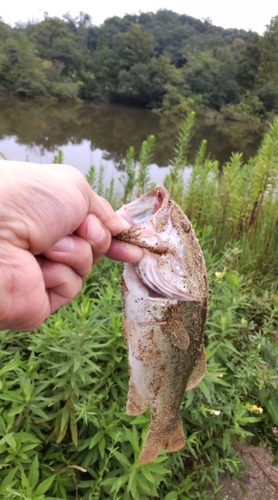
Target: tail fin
column 170, row 439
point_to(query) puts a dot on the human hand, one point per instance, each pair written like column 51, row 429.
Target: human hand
column 53, row 227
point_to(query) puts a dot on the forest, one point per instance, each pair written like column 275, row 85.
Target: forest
column 163, row 61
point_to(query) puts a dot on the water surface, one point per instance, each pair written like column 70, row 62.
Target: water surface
column 90, row 134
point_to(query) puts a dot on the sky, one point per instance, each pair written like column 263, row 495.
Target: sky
column 246, row 14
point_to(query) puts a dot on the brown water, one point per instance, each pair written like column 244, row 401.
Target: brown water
column 101, row 134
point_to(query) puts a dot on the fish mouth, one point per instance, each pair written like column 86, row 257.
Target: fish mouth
column 139, row 211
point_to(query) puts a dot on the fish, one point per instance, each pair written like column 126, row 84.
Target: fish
column 164, row 300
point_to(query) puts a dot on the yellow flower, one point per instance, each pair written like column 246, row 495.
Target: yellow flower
column 255, row 409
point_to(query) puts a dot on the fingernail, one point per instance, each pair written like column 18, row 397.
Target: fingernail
column 66, row 244
column 96, row 233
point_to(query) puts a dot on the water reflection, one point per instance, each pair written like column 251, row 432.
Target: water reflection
column 89, row 133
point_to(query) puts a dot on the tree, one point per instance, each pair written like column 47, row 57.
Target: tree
column 22, row 69
column 5, row 31
column 102, row 71
column 268, row 67
column 146, row 84
column 56, row 41
column 248, row 64
column 268, row 95
column 212, row 77
column 134, row 47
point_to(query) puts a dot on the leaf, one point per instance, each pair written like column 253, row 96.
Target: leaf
column 230, row 346
column 33, row 475
column 158, row 469
column 101, row 446
column 39, row 412
column 2, row 426
column 61, row 435
column 76, row 364
column 133, row 438
column 110, row 481
column 146, row 472
column 65, row 368
column 11, row 366
column 7, row 439
column 26, row 437
column 141, row 481
column 28, row 447
column 216, row 380
column 54, row 498
column 24, row 481
column 14, row 398
column 16, row 410
column 248, row 420
column 189, row 398
column 11, row 441
column 173, row 495
column 65, row 417
column 95, row 440
column 272, row 407
column 118, row 482
column 132, row 482
column 44, row 486
column 8, row 479
column 121, row 458
column 205, row 390
column 73, row 429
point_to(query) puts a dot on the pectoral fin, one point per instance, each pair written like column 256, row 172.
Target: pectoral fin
column 179, row 335
column 176, row 331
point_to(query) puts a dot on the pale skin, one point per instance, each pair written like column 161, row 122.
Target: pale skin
column 53, row 228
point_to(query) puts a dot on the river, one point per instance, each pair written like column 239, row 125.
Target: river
column 90, row 134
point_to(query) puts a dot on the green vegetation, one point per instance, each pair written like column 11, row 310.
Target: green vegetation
column 64, row 433
column 165, row 61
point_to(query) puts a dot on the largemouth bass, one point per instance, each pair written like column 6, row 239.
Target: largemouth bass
column 164, row 311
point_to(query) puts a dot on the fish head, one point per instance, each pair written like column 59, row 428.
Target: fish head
column 173, row 265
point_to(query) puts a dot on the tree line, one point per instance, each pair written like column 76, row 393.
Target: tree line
column 165, row 61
